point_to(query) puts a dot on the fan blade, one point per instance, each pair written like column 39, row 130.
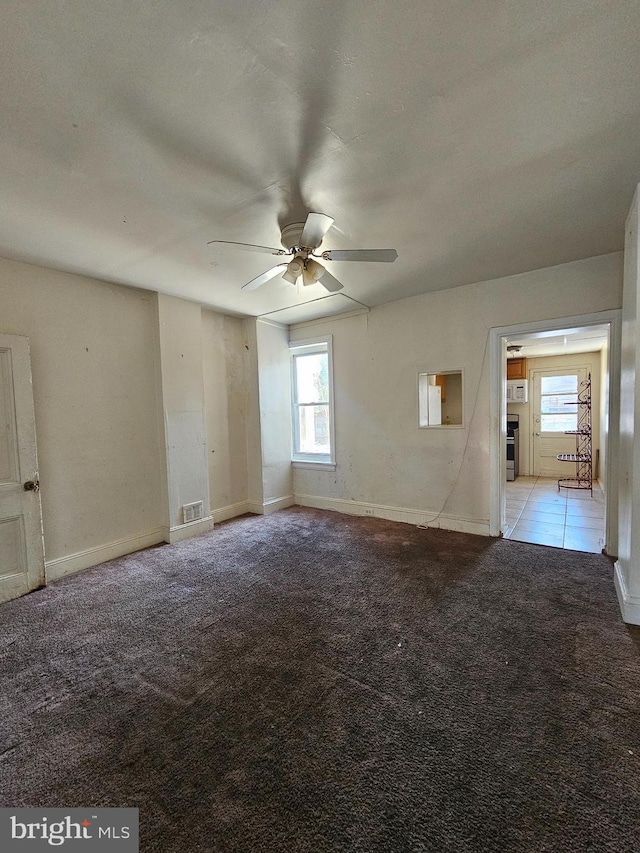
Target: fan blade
column 315, row 228
column 330, row 283
column 247, row 247
column 263, row 278
column 384, row 256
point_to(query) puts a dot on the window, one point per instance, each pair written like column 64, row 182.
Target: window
column 558, row 403
column 312, row 404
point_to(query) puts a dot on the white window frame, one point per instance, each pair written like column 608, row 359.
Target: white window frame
column 299, row 458
column 570, row 371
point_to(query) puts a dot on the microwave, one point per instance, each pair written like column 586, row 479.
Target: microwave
column 517, row 390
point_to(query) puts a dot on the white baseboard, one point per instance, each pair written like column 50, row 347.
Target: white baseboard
column 629, row 604
column 185, row 531
column 224, row 513
column 63, row 566
column 272, row 505
column 394, row 513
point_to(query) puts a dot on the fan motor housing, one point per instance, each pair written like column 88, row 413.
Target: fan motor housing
column 291, row 235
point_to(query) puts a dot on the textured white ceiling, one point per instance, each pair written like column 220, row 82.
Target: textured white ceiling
column 479, row 139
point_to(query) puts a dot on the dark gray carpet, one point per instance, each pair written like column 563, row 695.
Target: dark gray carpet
column 316, row 682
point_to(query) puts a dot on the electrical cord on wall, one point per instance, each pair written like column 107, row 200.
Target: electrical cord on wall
column 466, row 446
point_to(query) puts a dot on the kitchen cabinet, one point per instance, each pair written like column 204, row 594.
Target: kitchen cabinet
column 516, row 368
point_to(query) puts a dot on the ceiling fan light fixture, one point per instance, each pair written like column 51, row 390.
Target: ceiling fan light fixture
column 312, row 272
column 293, row 271
column 300, row 241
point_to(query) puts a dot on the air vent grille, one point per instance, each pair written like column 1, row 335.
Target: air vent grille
column 192, row 512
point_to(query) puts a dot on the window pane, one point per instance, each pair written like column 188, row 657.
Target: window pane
column 560, row 404
column 558, row 423
column 313, row 429
column 559, row 384
column 312, row 377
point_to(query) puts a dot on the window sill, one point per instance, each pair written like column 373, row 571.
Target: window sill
column 313, row 466
column 441, row 426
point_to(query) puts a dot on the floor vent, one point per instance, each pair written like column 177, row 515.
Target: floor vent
column 192, row 512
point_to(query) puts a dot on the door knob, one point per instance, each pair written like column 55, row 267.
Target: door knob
column 32, row 486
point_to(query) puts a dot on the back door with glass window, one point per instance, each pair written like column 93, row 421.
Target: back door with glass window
column 554, row 413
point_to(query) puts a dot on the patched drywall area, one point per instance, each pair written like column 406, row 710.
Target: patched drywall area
column 224, row 356
column 383, row 458
column 93, row 350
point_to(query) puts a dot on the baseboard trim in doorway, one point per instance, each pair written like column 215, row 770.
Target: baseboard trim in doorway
column 458, row 523
column 629, row 604
column 63, row 566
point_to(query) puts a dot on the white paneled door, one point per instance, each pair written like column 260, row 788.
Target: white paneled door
column 21, row 546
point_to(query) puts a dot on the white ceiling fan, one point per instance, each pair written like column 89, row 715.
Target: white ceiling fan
column 300, row 240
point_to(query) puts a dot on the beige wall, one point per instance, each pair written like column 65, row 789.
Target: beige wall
column 183, row 408
column 93, row 352
column 129, row 389
column 264, row 424
column 275, row 410
column 253, row 435
column 382, row 456
column 628, row 565
column 226, row 399
column 452, row 404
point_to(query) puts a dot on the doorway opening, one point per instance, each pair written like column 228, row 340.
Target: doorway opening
column 540, row 448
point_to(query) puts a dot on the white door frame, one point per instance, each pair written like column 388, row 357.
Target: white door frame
column 498, row 409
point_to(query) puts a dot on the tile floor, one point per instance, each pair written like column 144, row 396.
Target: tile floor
column 568, row 518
